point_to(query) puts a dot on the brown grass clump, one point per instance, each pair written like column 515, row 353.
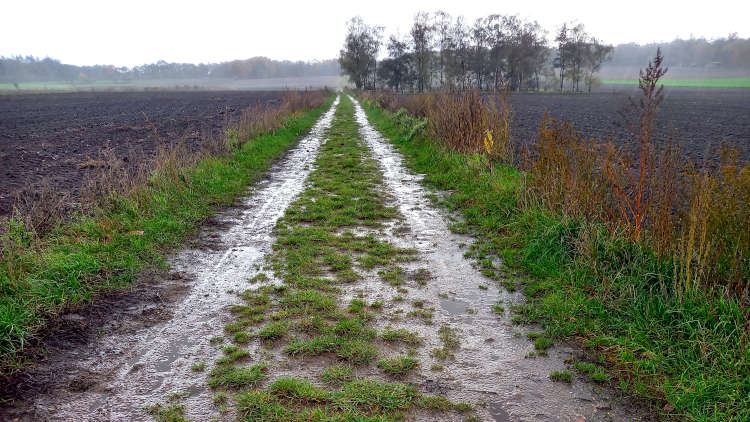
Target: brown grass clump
column 464, row 121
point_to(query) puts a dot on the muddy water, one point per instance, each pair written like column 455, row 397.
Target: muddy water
column 144, row 367
column 490, row 366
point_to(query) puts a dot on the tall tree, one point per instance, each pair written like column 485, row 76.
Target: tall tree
column 442, row 27
column 596, row 54
column 394, row 71
column 421, row 39
column 562, row 52
column 577, row 48
column 359, row 55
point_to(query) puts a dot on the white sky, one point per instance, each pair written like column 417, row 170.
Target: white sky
column 133, row 32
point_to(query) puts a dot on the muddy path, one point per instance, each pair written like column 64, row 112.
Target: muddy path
column 336, row 292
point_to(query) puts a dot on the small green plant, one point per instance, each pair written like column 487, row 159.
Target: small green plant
column 401, row 334
column 561, row 376
column 260, row 277
column 173, row 413
column 198, row 366
column 595, row 372
column 273, row 331
column 338, row 374
column 399, row 366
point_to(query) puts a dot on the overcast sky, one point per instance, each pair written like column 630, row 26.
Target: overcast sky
column 133, row 32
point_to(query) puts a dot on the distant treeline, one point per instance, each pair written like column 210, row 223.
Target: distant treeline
column 493, row 52
column 724, row 53
column 31, row 69
column 499, row 51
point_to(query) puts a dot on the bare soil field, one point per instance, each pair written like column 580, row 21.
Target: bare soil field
column 699, row 120
column 56, row 136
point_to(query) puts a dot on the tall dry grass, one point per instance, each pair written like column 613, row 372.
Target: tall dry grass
column 465, row 121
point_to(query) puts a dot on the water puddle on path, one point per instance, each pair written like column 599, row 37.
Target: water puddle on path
column 144, row 367
column 490, row 365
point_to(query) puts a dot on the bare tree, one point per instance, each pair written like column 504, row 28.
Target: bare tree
column 597, row 54
column 562, row 52
column 442, row 26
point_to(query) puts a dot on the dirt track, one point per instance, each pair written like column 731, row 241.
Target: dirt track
column 53, row 135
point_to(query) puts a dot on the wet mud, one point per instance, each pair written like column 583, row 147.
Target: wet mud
column 124, row 372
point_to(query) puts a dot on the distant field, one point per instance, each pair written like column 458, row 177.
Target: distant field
column 178, row 84
column 52, row 136
column 695, row 83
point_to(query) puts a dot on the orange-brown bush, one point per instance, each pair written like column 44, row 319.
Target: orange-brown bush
column 464, row 121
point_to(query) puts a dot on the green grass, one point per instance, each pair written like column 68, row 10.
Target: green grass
column 615, row 299
column 561, row 376
column 173, row 413
column 92, row 254
column 595, row 372
column 399, row 366
column 401, row 335
column 291, row 399
column 338, row 374
column 227, row 376
column 695, row 83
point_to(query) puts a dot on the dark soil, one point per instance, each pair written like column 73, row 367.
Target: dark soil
column 698, row 120
column 54, row 136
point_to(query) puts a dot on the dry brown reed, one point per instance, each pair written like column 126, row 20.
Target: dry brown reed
column 465, row 121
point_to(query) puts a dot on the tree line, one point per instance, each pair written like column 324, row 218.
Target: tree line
column 494, row 52
column 499, row 51
column 19, row 69
column 731, row 52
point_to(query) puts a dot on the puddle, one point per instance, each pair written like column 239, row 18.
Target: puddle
column 498, row 413
column 148, row 365
column 453, row 307
column 490, row 365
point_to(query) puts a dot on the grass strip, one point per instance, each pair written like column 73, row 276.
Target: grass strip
column 690, row 82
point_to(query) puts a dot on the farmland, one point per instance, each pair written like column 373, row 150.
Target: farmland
column 60, row 137
column 698, row 121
